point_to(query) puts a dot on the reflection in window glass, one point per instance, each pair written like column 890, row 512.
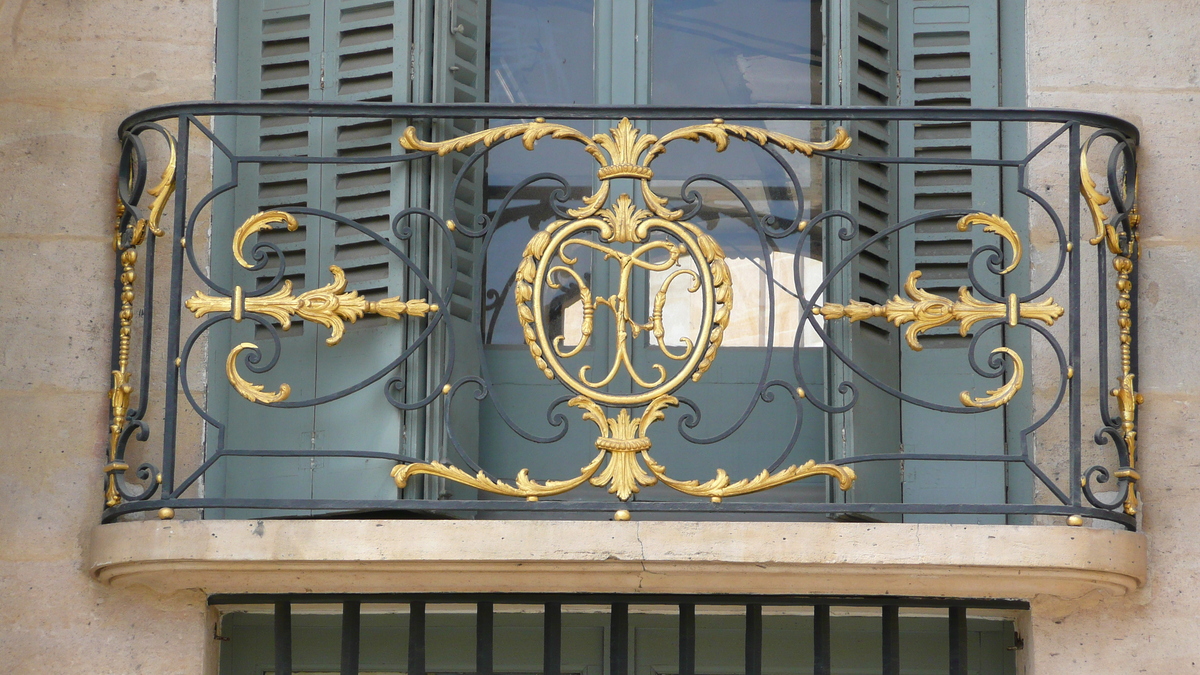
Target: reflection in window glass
column 541, row 52
column 733, row 52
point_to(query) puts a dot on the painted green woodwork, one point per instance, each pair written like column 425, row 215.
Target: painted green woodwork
column 720, row 642
column 866, row 44
column 949, row 55
column 289, row 50
column 888, row 52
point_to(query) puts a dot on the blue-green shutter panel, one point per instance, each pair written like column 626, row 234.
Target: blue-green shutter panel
column 313, row 50
column 949, row 56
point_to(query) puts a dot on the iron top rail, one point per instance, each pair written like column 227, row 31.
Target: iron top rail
column 648, row 112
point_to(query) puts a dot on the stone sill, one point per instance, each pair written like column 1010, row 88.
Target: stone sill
column 389, row 556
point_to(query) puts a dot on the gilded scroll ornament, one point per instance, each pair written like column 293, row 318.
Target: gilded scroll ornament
column 257, row 223
column 638, row 240
column 161, row 193
column 330, row 306
column 925, row 311
column 1105, row 231
column 624, row 152
column 998, row 226
column 523, row 486
column 721, row 487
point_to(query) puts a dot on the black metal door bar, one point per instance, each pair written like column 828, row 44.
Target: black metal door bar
column 687, row 639
column 822, row 654
column 552, row 639
column 283, row 638
column 958, row 641
column 754, row 639
column 891, row 640
column 350, row 636
column 619, row 639
column 416, row 638
column 484, row 634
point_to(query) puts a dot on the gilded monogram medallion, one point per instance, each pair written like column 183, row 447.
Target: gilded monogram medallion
column 636, row 241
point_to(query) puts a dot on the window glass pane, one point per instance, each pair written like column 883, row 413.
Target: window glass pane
column 540, row 52
column 733, row 52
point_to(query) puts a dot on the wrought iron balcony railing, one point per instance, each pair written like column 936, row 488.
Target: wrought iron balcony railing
column 449, row 309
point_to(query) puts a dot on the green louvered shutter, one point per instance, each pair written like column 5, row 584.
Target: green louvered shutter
column 866, row 33
column 949, row 56
column 272, row 51
column 348, row 50
column 366, row 58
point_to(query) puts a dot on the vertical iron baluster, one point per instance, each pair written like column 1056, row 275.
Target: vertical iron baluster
column 891, row 640
column 619, row 639
column 484, row 621
column 171, row 402
column 958, row 641
column 753, row 639
column 416, row 638
column 351, row 610
column 1073, row 346
column 283, row 638
column 822, row 660
column 552, row 639
column 687, row 639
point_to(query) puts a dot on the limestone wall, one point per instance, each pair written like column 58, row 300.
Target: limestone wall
column 1140, row 61
column 70, row 70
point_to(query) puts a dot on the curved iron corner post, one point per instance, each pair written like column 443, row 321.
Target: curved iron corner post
column 133, row 224
column 1118, row 234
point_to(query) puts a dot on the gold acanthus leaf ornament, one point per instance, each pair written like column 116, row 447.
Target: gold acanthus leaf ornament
column 998, row 226
column 257, row 223
column 161, row 193
column 1105, row 232
column 328, row 305
column 524, row 486
column 925, row 311
column 721, row 487
column 1003, row 394
column 624, row 152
